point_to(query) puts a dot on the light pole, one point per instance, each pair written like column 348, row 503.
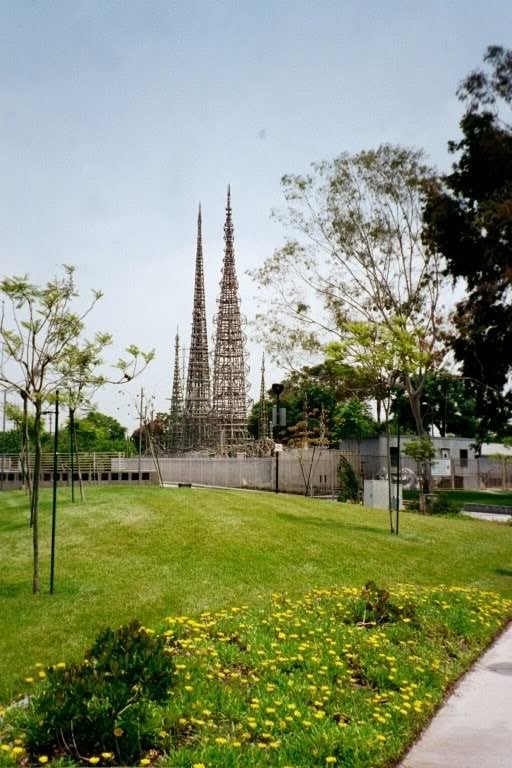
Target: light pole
column 277, row 389
column 398, row 470
column 54, row 505
column 140, row 432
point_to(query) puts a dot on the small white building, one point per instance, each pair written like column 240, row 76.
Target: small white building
column 456, row 465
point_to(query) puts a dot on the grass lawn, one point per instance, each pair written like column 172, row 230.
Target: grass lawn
column 151, row 552
column 459, row 498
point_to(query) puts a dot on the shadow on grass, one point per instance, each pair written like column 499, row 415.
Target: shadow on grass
column 17, row 589
column 503, row 571
column 322, row 523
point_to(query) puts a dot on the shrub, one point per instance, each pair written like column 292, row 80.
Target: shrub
column 347, row 481
column 442, row 505
column 376, row 607
column 105, row 703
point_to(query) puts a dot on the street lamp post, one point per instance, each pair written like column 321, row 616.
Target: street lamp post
column 277, row 389
column 54, row 505
column 140, row 433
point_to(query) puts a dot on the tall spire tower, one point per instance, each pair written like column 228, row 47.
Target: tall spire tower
column 263, row 415
column 229, row 397
column 176, row 412
column 197, row 400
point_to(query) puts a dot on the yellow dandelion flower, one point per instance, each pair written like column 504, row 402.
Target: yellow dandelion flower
column 221, row 740
column 93, row 760
column 107, row 755
column 4, row 747
column 118, row 732
column 199, row 765
column 17, row 751
column 331, row 760
column 42, row 759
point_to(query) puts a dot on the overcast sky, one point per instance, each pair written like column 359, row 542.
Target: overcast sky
column 118, row 117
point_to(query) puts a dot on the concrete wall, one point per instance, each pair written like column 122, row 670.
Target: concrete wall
column 13, row 481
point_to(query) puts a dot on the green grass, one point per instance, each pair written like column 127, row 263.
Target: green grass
column 459, row 498
column 332, row 678
column 151, row 552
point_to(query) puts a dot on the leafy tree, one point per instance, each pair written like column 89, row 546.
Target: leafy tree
column 356, row 255
column 386, row 354
column 469, row 220
column 98, row 432
column 326, row 386
column 423, row 452
column 353, row 420
column 447, row 402
column 348, row 482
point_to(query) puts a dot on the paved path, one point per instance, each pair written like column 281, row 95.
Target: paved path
column 474, row 728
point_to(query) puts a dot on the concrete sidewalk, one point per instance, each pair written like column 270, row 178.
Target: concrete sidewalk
column 474, row 728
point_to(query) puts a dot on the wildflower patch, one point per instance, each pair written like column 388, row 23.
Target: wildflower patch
column 344, row 677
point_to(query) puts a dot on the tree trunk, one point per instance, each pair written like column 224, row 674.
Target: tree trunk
column 415, row 403
column 35, row 501
column 75, row 448
column 25, row 450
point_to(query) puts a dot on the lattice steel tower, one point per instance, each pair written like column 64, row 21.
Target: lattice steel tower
column 197, row 433
column 229, row 397
column 263, row 415
column 176, row 412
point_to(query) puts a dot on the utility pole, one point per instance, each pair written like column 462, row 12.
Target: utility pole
column 140, row 432
column 54, row 505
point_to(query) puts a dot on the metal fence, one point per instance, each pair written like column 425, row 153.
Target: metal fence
column 89, row 462
column 314, row 471
column 317, row 472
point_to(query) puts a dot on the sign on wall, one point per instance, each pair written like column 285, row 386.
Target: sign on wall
column 441, row 468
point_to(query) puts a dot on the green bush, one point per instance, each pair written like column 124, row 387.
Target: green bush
column 348, row 483
column 443, row 506
column 104, row 704
column 376, row 607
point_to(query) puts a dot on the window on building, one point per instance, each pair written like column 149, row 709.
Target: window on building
column 393, row 454
column 463, row 457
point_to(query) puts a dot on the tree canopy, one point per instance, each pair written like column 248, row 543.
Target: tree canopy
column 356, row 255
column 469, row 220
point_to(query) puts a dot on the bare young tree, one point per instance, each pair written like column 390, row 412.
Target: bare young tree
column 36, row 332
column 39, row 330
column 355, row 254
column 83, row 374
